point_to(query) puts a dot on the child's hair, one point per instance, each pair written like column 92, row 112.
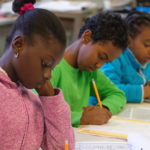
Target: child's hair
column 107, row 26
column 39, row 22
column 136, row 20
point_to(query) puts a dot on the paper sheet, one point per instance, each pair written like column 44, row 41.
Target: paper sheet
column 102, row 146
column 118, row 128
column 139, row 141
column 134, row 113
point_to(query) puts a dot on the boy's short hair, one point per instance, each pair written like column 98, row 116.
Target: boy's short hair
column 107, row 26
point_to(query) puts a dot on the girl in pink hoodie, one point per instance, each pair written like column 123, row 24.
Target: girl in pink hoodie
column 34, row 47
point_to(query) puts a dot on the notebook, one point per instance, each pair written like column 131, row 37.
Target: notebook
column 135, row 142
column 118, row 128
column 102, row 146
column 134, row 113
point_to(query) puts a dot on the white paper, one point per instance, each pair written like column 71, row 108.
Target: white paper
column 121, row 127
column 102, row 146
column 134, row 113
column 139, row 141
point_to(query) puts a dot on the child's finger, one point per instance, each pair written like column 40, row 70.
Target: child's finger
column 89, row 108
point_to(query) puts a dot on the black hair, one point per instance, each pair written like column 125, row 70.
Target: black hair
column 107, row 26
column 136, row 20
column 36, row 22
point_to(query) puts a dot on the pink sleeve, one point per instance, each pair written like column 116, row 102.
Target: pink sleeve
column 58, row 122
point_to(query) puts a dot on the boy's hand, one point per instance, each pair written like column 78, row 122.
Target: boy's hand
column 46, row 89
column 95, row 115
column 146, row 91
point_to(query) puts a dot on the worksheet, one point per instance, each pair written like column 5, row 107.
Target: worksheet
column 102, row 146
column 139, row 141
column 118, row 128
column 135, row 142
column 134, row 113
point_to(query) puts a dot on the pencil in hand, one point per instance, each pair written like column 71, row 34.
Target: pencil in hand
column 97, row 95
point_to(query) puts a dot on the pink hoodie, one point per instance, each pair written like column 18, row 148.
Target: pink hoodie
column 27, row 122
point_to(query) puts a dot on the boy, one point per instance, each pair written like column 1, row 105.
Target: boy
column 102, row 39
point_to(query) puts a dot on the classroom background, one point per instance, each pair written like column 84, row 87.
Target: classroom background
column 72, row 14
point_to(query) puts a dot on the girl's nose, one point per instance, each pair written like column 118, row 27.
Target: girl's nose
column 47, row 74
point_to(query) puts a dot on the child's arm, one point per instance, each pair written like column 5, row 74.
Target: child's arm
column 133, row 93
column 75, row 118
column 112, row 97
column 57, row 121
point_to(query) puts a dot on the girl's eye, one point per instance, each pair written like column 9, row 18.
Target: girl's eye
column 146, row 45
column 44, row 65
column 100, row 57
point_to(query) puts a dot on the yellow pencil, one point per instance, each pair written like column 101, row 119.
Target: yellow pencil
column 97, row 95
column 66, row 144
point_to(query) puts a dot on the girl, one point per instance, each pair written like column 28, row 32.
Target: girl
column 34, row 47
column 131, row 71
column 101, row 39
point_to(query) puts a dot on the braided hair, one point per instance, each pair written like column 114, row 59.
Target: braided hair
column 136, row 20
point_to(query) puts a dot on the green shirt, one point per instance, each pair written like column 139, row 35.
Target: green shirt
column 77, row 86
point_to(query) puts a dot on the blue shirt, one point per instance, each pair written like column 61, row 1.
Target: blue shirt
column 129, row 75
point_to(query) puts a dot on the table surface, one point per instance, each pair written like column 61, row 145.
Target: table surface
column 91, row 138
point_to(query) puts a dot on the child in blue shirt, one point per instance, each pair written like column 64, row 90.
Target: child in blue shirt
column 131, row 71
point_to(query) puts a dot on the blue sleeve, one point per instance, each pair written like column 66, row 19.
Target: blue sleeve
column 113, row 71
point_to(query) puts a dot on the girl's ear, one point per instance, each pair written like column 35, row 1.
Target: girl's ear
column 18, row 44
column 86, row 36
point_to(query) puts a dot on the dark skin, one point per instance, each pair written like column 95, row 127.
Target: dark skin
column 86, row 56
column 140, row 47
column 34, row 63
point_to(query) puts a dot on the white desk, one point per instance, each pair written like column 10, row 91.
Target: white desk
column 89, row 138
column 79, row 137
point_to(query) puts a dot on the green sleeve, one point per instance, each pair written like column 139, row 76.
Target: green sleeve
column 111, row 96
column 55, row 80
column 55, row 77
column 75, row 118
